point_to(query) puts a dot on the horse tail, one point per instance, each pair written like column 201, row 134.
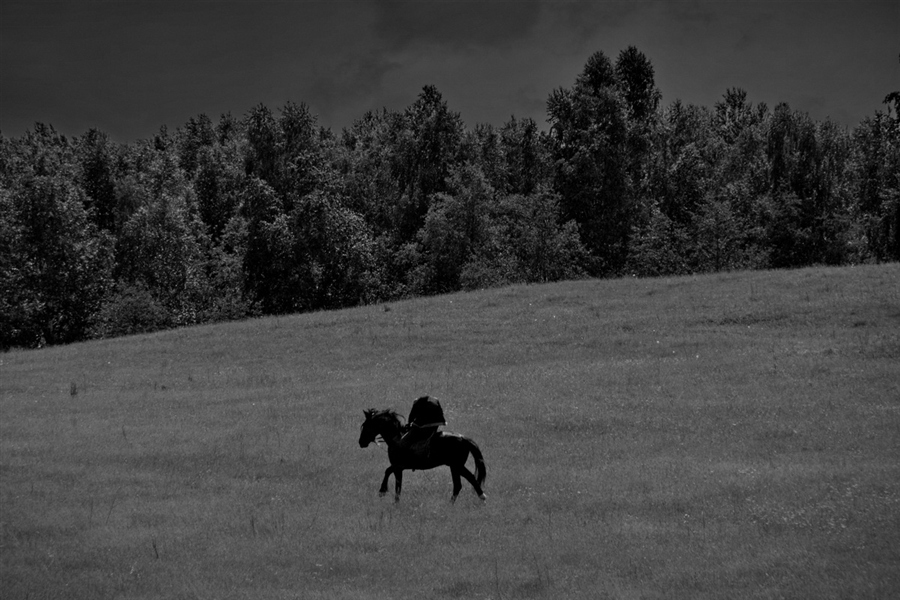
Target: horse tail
column 480, row 469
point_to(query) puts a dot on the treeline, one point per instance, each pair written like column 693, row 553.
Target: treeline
column 273, row 214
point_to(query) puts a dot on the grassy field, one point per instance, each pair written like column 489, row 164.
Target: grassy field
column 725, row 436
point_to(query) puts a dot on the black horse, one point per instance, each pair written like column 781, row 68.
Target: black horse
column 442, row 448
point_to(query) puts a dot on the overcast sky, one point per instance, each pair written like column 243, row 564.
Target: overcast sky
column 128, row 66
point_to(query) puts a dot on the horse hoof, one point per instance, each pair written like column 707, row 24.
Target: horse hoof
column 381, row 494
column 482, row 497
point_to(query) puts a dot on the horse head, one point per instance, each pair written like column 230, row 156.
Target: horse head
column 366, row 430
column 385, row 423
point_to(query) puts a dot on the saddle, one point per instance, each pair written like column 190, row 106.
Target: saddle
column 418, row 441
column 424, row 419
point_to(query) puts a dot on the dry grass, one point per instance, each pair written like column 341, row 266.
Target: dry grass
column 724, row 436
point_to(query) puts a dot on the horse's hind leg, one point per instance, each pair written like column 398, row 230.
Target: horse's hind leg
column 471, row 479
column 398, row 483
column 387, row 473
column 457, row 484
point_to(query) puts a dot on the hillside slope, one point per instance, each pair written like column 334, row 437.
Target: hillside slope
column 732, row 435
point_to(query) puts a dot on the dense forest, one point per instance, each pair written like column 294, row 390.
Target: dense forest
column 272, row 213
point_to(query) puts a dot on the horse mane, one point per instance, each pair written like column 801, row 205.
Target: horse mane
column 389, row 413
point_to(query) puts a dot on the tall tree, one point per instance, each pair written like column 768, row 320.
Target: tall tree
column 808, row 165
column 299, row 158
column 217, row 185
column 455, row 225
column 526, row 152
column 369, row 160
column 55, row 264
column 333, row 254
column 634, row 76
column 524, row 241
column 270, row 275
column 197, row 133
column 589, row 127
column 876, row 162
column 683, row 162
column 635, row 80
column 262, row 155
column 97, row 159
column 430, row 148
column 157, row 250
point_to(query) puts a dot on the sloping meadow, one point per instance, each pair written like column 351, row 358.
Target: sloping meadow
column 732, row 435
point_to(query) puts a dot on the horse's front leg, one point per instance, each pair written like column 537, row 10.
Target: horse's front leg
column 384, row 482
column 398, row 481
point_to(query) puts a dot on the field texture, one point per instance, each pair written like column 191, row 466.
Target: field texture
column 725, row 436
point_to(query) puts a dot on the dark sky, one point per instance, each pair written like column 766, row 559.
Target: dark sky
column 129, row 66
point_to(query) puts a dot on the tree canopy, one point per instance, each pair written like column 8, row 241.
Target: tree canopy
column 271, row 213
